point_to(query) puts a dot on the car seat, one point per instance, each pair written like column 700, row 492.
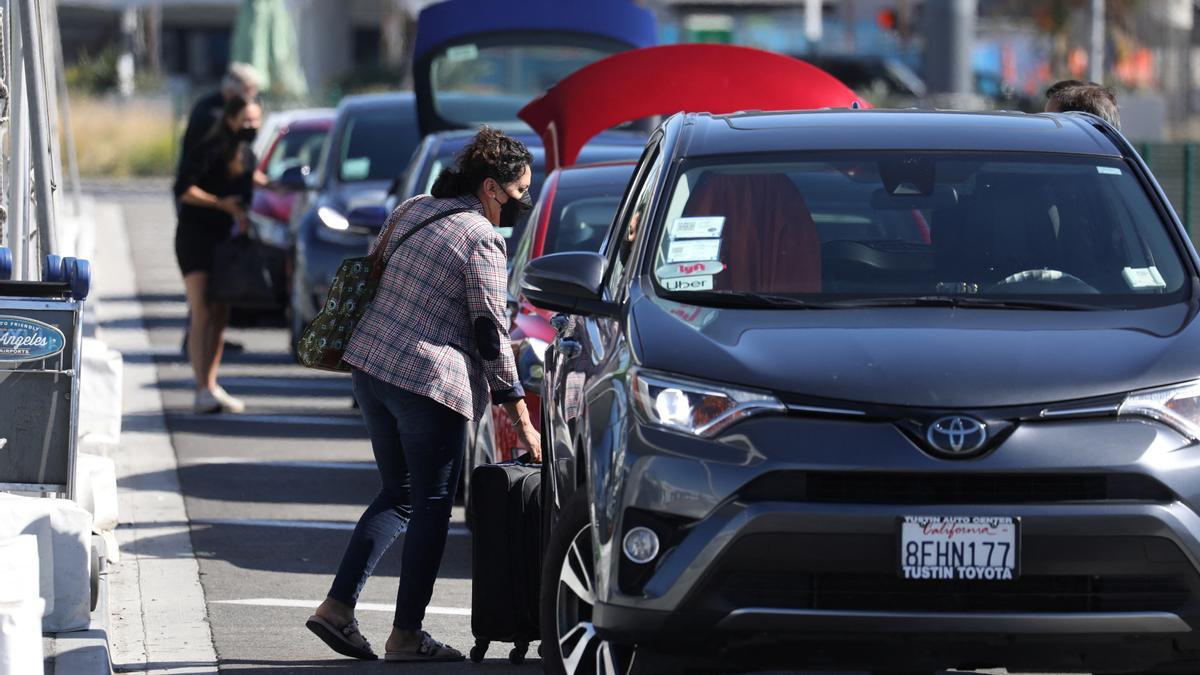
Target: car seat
column 1004, row 228
column 770, row 243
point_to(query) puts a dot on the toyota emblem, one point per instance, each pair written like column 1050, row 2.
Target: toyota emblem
column 957, row 435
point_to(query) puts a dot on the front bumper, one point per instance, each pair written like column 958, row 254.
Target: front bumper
column 787, row 532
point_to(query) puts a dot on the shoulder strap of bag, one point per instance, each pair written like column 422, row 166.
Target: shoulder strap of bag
column 416, row 229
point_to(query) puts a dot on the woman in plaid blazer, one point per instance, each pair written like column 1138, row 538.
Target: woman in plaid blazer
column 431, row 352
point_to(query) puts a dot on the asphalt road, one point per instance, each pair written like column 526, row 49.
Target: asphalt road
column 272, row 495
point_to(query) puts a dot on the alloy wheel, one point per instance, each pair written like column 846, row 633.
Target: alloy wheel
column 581, row 649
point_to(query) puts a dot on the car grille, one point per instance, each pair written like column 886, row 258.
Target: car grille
column 881, row 592
column 863, row 487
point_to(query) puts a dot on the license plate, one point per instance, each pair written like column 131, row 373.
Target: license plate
column 959, row 547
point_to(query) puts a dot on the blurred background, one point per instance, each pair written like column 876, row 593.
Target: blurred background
column 134, row 67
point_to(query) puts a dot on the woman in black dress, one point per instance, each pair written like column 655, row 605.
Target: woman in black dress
column 213, row 190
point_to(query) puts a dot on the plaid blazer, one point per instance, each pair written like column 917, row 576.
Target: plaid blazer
column 437, row 326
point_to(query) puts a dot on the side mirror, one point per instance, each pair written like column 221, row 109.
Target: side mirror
column 294, row 179
column 371, row 217
column 568, row 282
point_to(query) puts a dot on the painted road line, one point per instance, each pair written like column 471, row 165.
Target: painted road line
column 367, row 606
column 298, row 524
column 347, row 421
column 365, row 465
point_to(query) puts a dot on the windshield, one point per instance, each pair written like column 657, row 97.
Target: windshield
column 375, row 146
column 298, row 147
column 874, row 227
column 477, row 82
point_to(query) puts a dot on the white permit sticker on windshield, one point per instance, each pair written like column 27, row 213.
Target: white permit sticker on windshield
column 356, row 168
column 688, row 283
column 1108, row 170
column 1143, row 277
column 697, row 227
column 694, row 249
column 462, row 53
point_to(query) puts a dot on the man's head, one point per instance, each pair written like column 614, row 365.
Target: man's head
column 240, row 80
column 1086, row 97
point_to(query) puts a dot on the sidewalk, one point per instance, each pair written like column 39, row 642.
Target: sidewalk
column 158, row 619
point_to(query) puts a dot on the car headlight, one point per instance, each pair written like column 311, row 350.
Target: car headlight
column 1177, row 406
column 531, row 362
column 696, row 407
column 332, row 219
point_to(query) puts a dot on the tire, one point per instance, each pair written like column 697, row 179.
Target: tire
column 566, row 612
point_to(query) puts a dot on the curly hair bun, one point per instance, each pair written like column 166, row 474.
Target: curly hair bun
column 491, row 154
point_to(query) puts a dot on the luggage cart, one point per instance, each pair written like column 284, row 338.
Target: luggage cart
column 41, row 328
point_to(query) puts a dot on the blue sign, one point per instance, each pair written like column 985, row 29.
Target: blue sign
column 28, row 340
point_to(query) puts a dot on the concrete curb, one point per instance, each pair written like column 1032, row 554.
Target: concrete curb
column 159, row 617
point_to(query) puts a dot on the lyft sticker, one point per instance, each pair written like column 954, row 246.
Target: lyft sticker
column 697, row 227
column 689, row 269
column 694, row 249
column 28, row 340
column 688, row 284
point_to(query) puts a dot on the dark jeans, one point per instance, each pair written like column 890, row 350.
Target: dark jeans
column 418, row 445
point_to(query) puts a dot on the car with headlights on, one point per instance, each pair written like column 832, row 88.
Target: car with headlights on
column 878, row 390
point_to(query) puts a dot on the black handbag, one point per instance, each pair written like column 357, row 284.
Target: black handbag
column 241, row 275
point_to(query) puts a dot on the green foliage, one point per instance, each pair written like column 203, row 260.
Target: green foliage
column 94, row 74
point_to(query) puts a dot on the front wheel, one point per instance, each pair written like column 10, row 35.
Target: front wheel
column 568, row 598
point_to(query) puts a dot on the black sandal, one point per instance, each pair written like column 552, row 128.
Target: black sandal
column 347, row 640
column 427, row 649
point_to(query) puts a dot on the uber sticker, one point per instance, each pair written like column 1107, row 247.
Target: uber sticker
column 697, row 227
column 694, row 249
column 689, row 284
column 1143, row 277
column 689, row 269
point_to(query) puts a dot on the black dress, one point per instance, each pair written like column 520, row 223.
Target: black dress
column 201, row 228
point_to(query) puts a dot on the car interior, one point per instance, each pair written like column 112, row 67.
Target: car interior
column 991, row 228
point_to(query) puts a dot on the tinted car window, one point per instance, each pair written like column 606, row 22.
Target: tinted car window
column 375, row 146
column 582, row 216
column 920, row 224
column 298, row 147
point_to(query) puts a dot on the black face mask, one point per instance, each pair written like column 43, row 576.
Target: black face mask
column 513, row 209
column 247, row 134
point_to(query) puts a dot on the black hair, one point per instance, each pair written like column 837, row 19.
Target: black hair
column 491, row 154
column 223, row 139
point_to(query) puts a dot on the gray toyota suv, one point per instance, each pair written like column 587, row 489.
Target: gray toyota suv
column 883, row 390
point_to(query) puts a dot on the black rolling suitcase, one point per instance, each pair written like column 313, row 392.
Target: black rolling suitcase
column 506, row 524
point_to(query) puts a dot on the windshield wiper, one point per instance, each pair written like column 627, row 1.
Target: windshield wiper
column 749, row 299
column 743, row 299
column 967, row 301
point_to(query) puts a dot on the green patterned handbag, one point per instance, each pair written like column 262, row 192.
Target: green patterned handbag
column 325, row 339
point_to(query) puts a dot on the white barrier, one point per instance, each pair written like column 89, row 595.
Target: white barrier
column 64, row 533
column 96, row 491
column 19, row 568
column 100, row 390
column 21, row 637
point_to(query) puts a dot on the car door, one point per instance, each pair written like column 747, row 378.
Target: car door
column 585, row 405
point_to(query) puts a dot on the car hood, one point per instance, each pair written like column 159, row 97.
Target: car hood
column 924, row 357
